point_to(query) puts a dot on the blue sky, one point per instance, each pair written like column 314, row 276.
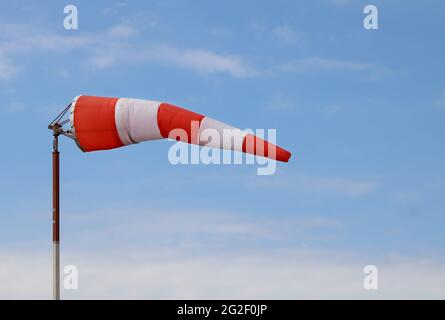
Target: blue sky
column 362, row 112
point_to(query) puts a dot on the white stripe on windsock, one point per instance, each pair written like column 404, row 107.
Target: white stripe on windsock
column 137, row 120
column 230, row 138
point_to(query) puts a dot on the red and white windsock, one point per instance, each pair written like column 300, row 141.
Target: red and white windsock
column 100, row 123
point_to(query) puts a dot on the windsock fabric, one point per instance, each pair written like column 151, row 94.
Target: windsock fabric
column 100, row 123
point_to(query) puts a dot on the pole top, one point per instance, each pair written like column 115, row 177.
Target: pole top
column 57, row 124
column 56, row 128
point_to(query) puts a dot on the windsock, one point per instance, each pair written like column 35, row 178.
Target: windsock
column 101, row 123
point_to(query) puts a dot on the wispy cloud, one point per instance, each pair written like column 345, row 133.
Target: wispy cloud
column 197, row 60
column 16, row 106
column 113, row 47
column 198, row 229
column 332, row 109
column 343, row 186
column 120, row 45
column 114, row 8
column 280, row 102
column 439, row 102
column 201, row 60
column 154, row 274
column 303, row 182
column 323, row 64
column 7, row 69
column 286, row 34
column 341, row 2
column 122, row 31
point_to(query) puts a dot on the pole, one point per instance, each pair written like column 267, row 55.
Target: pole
column 56, row 206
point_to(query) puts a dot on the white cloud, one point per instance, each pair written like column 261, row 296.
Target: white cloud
column 197, row 60
column 113, row 47
column 347, row 187
column 341, row 2
column 134, row 261
column 153, row 254
column 122, row 31
column 120, row 45
column 103, row 60
column 204, row 61
column 7, row 69
column 286, row 34
column 280, row 102
column 332, row 109
column 316, row 63
column 27, row 39
column 313, row 184
column 194, row 229
column 63, row 73
column 114, row 8
column 16, row 106
column 440, row 100
column 265, row 274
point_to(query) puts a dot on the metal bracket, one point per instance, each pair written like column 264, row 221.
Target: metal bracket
column 57, row 125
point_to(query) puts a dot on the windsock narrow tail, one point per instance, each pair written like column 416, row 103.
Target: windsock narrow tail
column 100, row 123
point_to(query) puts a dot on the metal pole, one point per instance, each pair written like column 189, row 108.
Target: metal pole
column 56, row 249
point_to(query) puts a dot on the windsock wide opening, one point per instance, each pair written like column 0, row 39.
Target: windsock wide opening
column 93, row 123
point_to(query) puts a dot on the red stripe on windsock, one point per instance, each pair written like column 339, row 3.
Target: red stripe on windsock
column 260, row 147
column 171, row 117
column 95, row 125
